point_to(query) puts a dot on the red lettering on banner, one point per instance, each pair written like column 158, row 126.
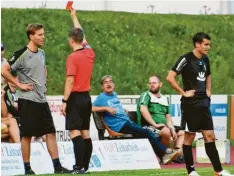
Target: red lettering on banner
column 55, row 107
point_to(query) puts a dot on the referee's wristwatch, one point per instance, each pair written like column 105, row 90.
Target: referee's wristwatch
column 64, row 101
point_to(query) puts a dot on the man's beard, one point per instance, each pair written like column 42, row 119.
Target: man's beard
column 155, row 91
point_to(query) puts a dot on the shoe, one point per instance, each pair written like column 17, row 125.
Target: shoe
column 223, row 173
column 62, row 170
column 193, row 173
column 29, row 172
column 169, row 156
column 76, row 170
column 179, row 160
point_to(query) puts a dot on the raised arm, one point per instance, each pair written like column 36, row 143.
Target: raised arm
column 76, row 22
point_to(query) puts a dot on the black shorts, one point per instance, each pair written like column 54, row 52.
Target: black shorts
column 35, row 118
column 195, row 119
column 79, row 108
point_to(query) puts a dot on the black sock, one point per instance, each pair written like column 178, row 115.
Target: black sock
column 79, row 147
column 27, row 166
column 213, row 154
column 188, row 157
column 87, row 153
column 56, row 163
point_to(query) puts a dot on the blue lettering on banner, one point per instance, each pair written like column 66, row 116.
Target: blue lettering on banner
column 175, row 110
column 96, row 161
column 217, row 110
column 67, row 149
column 11, row 151
column 219, row 128
column 123, row 147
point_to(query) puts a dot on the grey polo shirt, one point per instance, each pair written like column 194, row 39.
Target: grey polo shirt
column 30, row 67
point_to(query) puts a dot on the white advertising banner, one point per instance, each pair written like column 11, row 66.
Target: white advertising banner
column 113, row 155
column 12, row 162
column 218, row 108
column 223, row 147
column 127, row 154
column 67, row 158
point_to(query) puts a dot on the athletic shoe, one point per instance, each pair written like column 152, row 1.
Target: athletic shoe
column 193, row 173
column 169, row 156
column 61, row 170
column 29, row 172
column 76, row 170
column 223, row 173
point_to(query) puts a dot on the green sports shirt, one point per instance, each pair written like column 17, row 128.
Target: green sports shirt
column 158, row 108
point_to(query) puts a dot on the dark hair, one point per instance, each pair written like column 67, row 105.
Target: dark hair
column 76, row 34
column 32, row 28
column 198, row 37
column 157, row 76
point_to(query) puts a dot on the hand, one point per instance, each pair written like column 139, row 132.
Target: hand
column 173, row 134
column 72, row 12
column 15, row 105
column 189, row 93
column 26, row 87
column 208, row 93
column 63, row 109
column 160, row 126
column 112, row 111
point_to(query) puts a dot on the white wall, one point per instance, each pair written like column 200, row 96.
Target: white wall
column 139, row 6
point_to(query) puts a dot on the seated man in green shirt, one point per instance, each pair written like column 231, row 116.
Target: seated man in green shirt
column 153, row 112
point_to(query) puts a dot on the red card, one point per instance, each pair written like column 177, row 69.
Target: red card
column 69, row 5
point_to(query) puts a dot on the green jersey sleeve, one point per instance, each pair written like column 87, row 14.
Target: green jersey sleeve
column 144, row 99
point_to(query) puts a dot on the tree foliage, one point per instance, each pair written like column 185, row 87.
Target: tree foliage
column 129, row 46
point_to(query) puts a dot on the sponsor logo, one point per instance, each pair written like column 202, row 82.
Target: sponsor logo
column 201, row 76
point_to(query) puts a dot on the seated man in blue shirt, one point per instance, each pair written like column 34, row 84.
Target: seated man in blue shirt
column 117, row 120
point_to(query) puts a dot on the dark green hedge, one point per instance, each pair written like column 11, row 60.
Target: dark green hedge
column 129, row 46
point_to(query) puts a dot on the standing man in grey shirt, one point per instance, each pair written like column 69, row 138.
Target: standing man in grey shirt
column 35, row 116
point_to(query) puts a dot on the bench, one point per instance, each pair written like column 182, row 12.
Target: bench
column 101, row 127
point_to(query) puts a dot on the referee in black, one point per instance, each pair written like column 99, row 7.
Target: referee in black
column 195, row 102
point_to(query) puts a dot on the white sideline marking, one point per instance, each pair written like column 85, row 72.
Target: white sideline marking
column 177, row 173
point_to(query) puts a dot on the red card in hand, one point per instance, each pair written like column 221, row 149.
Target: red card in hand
column 69, row 5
